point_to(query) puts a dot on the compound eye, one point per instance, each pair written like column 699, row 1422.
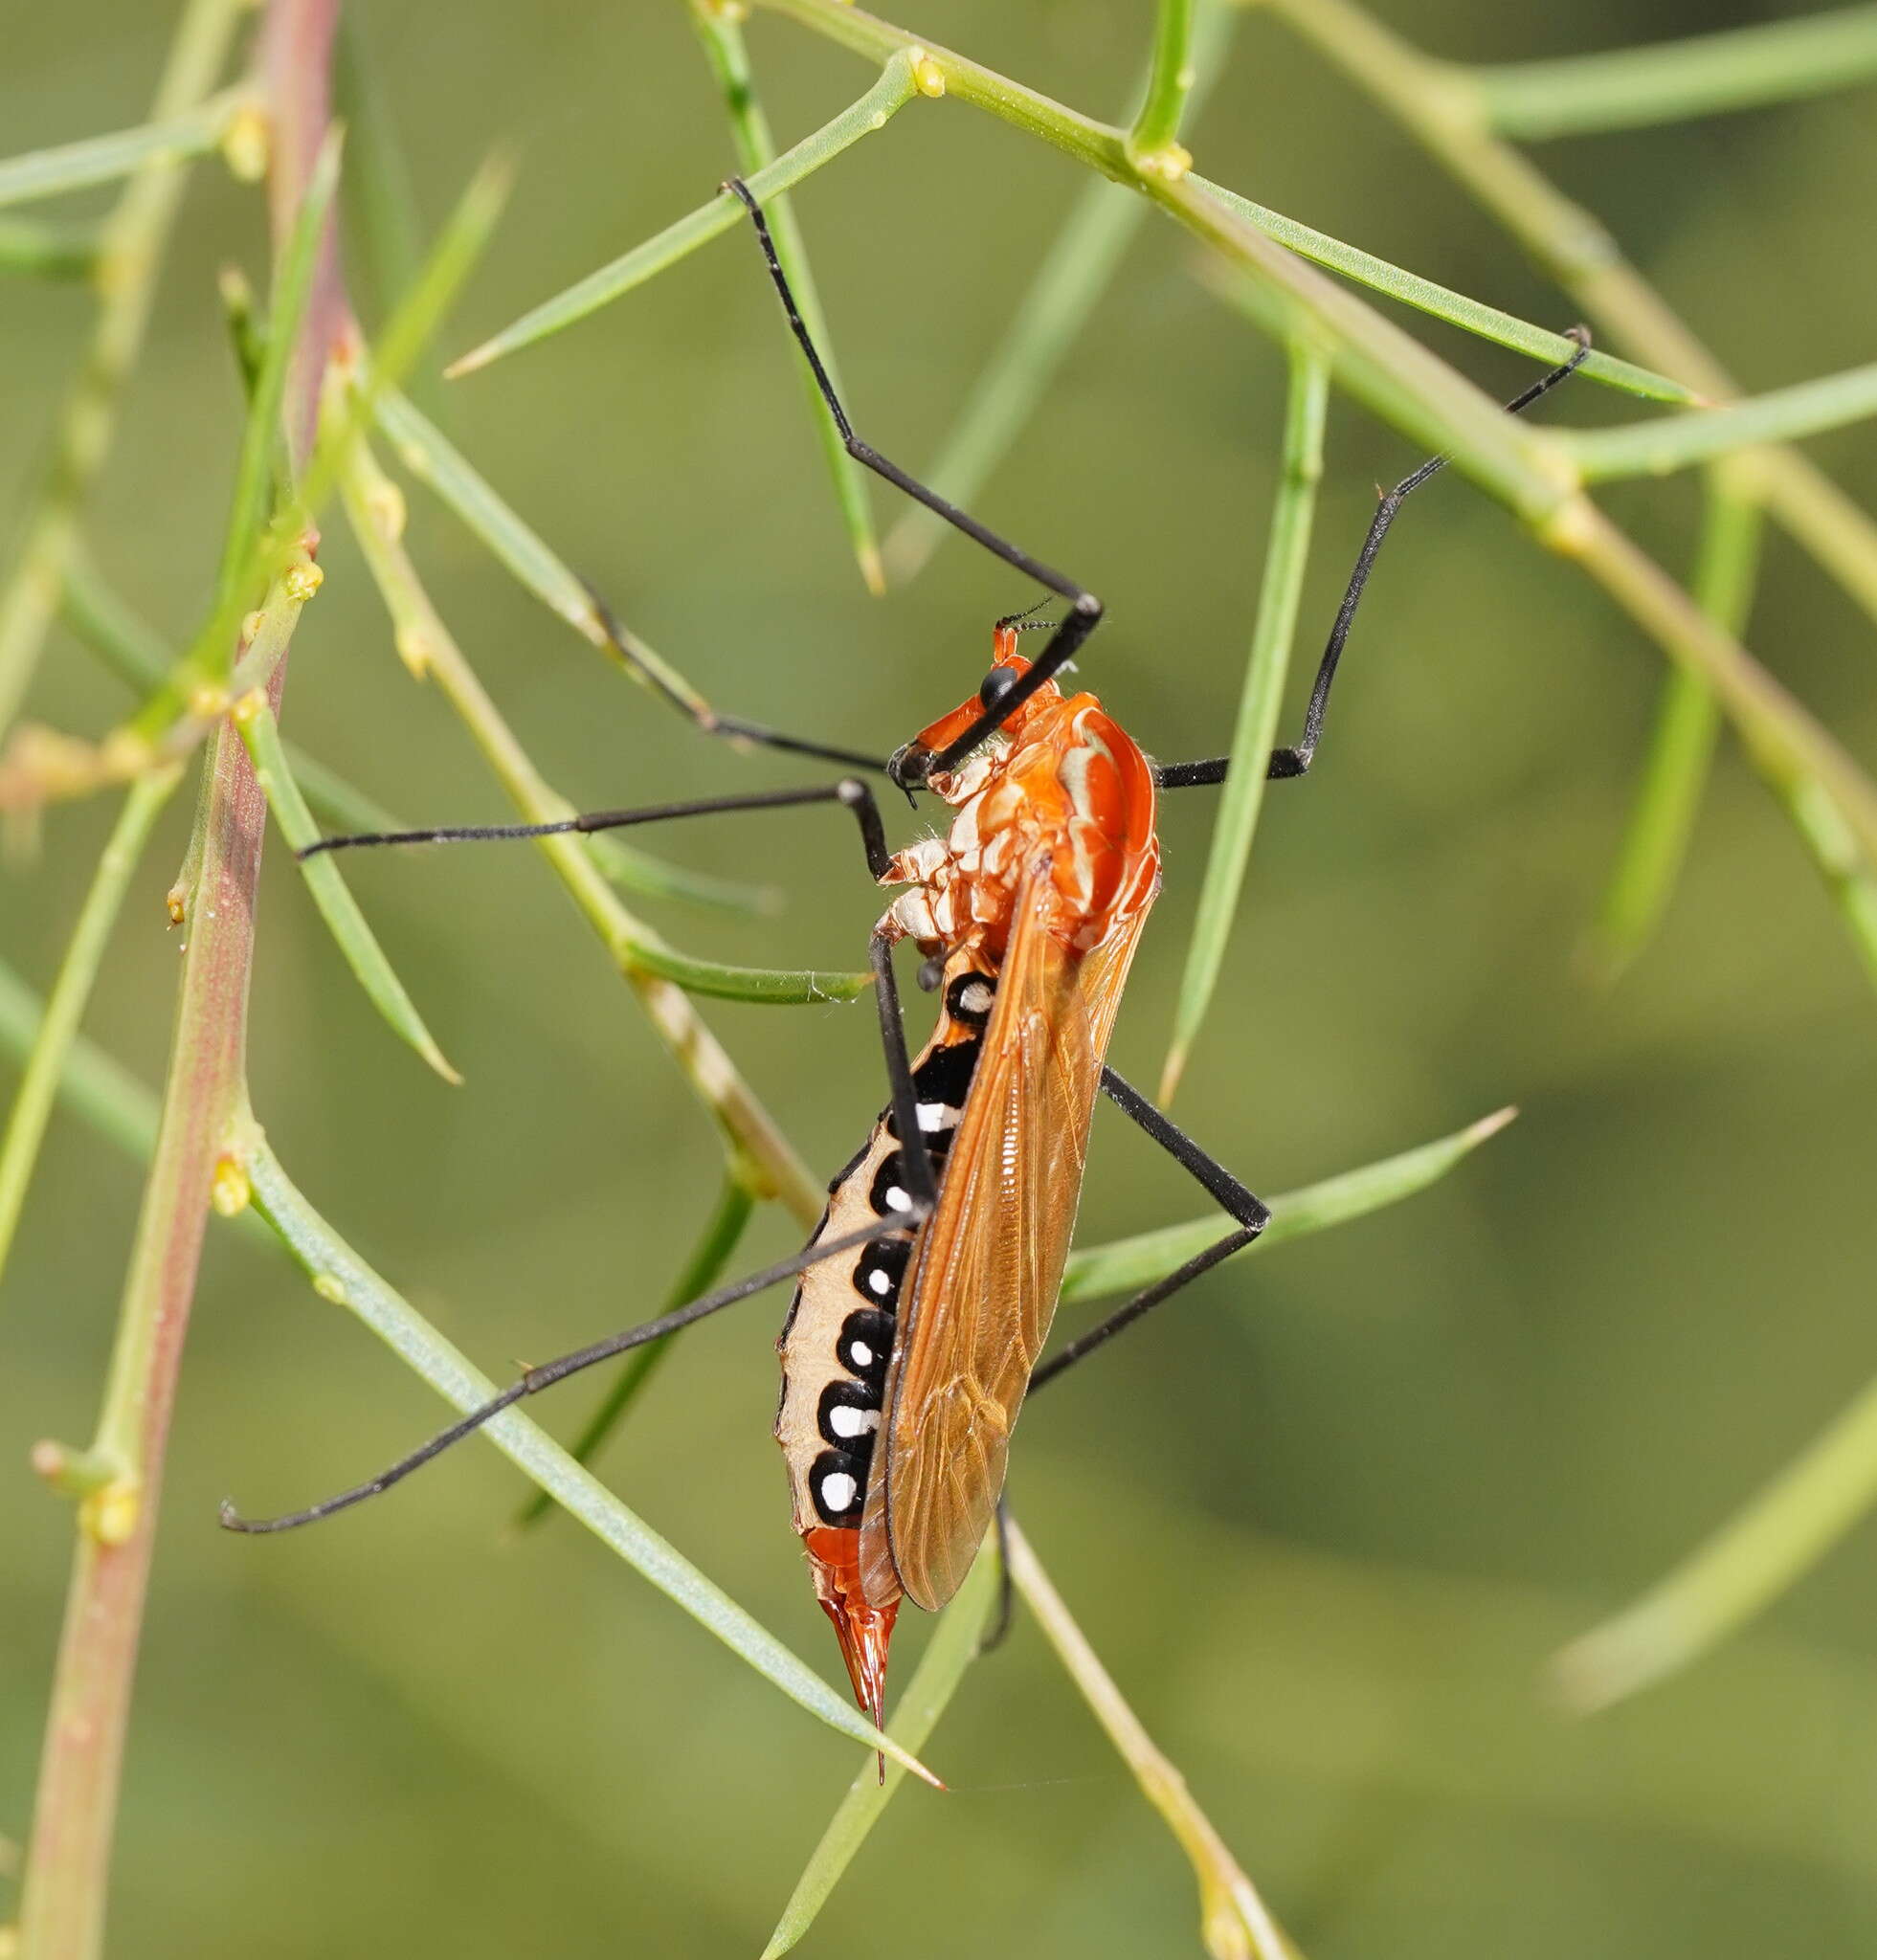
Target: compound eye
column 998, row 684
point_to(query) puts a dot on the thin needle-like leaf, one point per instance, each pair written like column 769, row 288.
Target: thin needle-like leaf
column 1661, row 820
column 1442, row 303
column 1125, row 1265
column 700, row 1273
column 1774, row 1539
column 1633, row 88
column 96, row 1088
column 1674, row 442
column 338, row 1274
column 48, row 251
column 429, row 649
column 99, row 159
column 1286, row 554
column 355, row 938
column 1233, row 1921
column 260, row 435
column 896, row 87
column 949, row 1653
column 719, row 30
column 52, row 1045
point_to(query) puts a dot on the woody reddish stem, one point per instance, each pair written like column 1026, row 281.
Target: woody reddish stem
column 62, row 1914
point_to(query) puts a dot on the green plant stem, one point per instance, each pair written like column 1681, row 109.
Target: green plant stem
column 722, row 1233
column 1632, row 88
column 338, row 1274
column 1674, row 442
column 1681, row 751
column 130, row 252
column 1436, row 105
column 1279, row 595
column 422, row 638
column 1779, row 1535
column 355, row 938
column 65, row 1884
column 1153, row 141
column 48, row 251
column 1045, row 325
column 895, row 88
column 1233, row 1921
column 26, row 1125
column 717, row 28
column 1846, row 871
column 135, row 652
column 955, row 1645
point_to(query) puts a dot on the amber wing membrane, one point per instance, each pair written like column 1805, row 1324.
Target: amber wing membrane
column 990, row 1263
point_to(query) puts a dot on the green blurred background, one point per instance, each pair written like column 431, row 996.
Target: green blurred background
column 1328, row 1517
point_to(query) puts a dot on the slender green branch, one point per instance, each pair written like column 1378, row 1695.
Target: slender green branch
column 355, row 938
column 1435, row 104
column 1687, row 724
column 1777, row 1536
column 1233, row 1921
column 1674, row 442
column 426, row 643
column 136, row 652
column 1285, row 556
column 161, row 144
column 26, row 1125
column 66, row 1880
column 955, row 1645
column 718, row 29
column 1846, row 871
column 130, row 252
column 1442, row 303
column 1153, row 145
column 338, row 1274
column 1631, row 88
column 48, row 252
column 723, row 1233
column 1125, row 1265
column 901, row 79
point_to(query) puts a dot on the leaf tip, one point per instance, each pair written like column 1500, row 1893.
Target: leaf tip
column 1491, row 1125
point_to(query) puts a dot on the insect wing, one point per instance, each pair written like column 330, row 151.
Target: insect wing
column 990, row 1263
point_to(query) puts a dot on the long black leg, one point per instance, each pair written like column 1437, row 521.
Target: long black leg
column 702, row 715
column 850, row 791
column 1252, row 1213
column 1295, row 761
column 998, row 1627
column 909, row 768
column 549, row 1372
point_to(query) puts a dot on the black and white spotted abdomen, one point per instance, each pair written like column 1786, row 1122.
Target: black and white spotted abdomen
column 838, row 1340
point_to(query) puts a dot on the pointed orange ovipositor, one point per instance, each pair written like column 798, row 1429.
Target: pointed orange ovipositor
column 864, row 1632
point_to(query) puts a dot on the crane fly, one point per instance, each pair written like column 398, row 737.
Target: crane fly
column 924, row 1296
